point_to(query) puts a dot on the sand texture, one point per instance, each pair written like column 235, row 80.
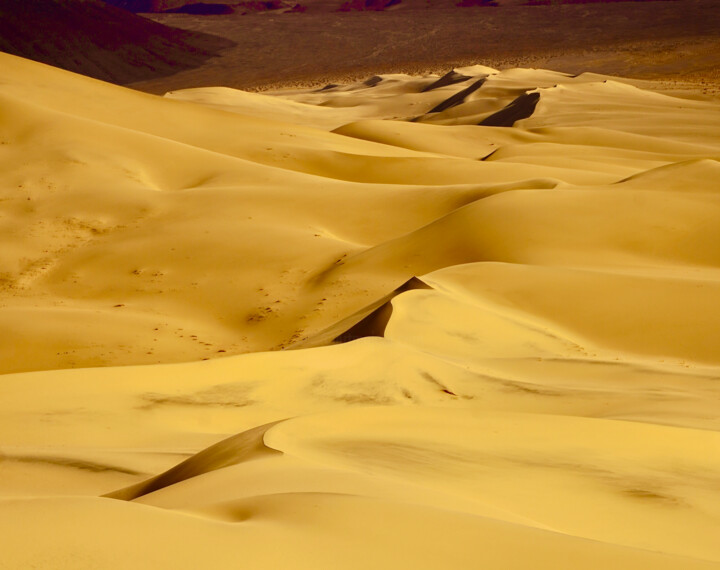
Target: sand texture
column 427, row 322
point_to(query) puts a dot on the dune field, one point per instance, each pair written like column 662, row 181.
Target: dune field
column 467, row 321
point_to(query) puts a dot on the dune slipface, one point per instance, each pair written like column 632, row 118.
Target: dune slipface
column 358, row 326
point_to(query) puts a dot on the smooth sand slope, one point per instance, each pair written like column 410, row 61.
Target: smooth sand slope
column 394, row 324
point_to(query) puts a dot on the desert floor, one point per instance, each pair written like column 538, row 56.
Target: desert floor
column 407, row 322
column 676, row 40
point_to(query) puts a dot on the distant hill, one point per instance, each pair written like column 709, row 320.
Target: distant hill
column 97, row 39
column 188, row 6
column 201, row 7
column 362, row 5
column 149, row 5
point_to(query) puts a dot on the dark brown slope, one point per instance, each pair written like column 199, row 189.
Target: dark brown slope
column 99, row 40
column 154, row 5
column 208, row 7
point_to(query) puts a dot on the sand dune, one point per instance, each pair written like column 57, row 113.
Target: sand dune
column 359, row 326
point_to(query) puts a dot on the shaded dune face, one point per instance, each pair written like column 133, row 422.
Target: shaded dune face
column 232, row 451
column 457, row 98
column 370, row 321
column 359, row 326
column 449, row 78
column 521, row 108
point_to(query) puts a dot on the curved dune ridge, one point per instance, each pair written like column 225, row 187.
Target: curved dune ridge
column 414, row 322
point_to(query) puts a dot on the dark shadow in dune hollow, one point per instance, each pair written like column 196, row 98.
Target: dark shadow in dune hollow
column 521, row 108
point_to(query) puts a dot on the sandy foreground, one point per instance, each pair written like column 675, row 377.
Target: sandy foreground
column 357, row 328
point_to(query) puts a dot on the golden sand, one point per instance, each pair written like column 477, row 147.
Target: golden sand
column 531, row 377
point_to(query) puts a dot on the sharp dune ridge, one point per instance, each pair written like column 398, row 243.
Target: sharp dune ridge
column 456, row 320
